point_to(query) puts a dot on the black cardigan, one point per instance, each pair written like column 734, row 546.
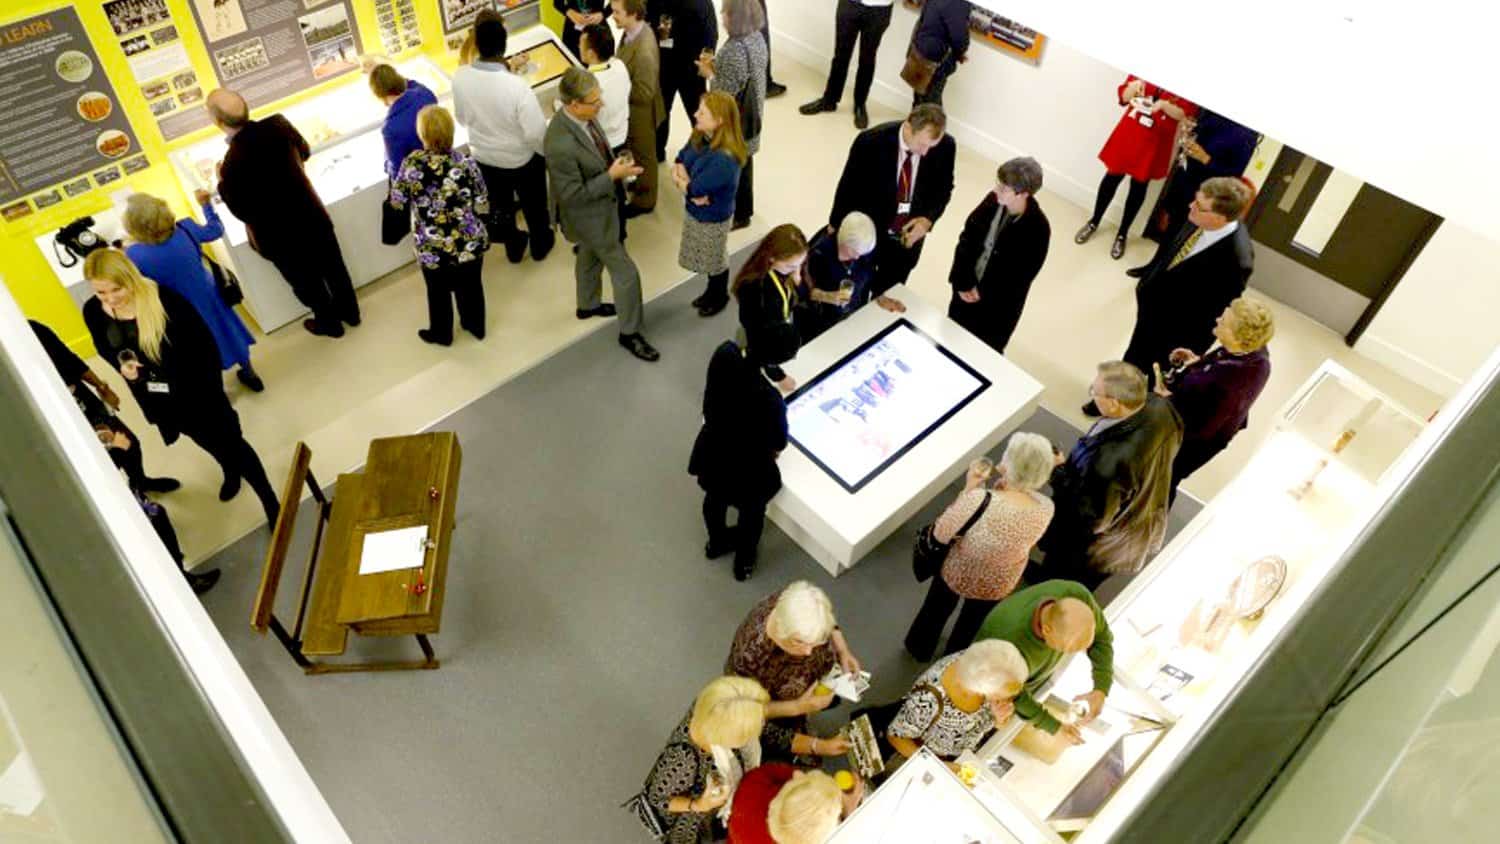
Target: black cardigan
column 744, row 429
column 189, row 365
column 770, row 334
column 1020, row 250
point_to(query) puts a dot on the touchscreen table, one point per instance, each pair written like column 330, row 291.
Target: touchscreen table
column 860, row 415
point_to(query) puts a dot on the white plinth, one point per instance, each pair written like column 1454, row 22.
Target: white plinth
column 837, row 527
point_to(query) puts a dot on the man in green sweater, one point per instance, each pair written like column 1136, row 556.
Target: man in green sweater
column 1047, row 622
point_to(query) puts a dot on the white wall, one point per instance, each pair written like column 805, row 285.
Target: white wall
column 1435, row 330
column 1439, row 325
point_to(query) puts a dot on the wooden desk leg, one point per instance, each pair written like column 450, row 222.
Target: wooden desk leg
column 430, row 662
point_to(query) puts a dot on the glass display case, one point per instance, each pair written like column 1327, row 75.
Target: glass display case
column 1197, row 620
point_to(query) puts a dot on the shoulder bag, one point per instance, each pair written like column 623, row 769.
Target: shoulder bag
column 750, row 109
column 919, row 71
column 225, row 282
column 395, row 223
column 928, row 555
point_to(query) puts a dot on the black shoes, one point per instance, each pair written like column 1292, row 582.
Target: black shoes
column 637, row 345
column 1117, row 249
column 743, row 568
column 1091, row 410
column 604, row 310
column 203, row 582
column 1086, row 232
column 230, row 488
column 740, row 224
column 774, row 89
column 353, row 319
column 817, row 106
column 711, row 307
column 515, row 247
column 248, row 377
column 429, row 336
column 714, row 551
column 320, row 330
column 861, row 117
column 541, row 247
column 1136, row 272
column 160, row 484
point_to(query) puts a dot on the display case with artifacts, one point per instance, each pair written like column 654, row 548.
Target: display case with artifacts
column 1193, row 624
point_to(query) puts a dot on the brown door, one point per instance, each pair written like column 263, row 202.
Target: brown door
column 1330, row 245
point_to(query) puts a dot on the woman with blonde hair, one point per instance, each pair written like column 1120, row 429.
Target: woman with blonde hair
column 169, row 251
column 708, row 173
column 448, row 200
column 720, row 739
column 984, row 565
column 158, row 343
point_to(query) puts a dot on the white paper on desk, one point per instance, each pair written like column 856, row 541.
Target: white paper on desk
column 390, row 550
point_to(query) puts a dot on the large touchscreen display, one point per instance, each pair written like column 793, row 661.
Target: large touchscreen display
column 860, row 415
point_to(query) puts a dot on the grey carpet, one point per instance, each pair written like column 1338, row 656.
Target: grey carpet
column 582, row 616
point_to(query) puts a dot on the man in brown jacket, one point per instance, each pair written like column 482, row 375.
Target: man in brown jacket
column 639, row 52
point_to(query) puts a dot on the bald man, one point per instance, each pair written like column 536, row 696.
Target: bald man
column 1046, row 623
column 263, row 183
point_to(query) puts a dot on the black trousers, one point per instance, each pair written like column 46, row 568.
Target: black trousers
column 128, row 460
column 1066, row 544
column 866, row 25
column 745, row 536
column 314, row 267
column 1133, row 200
column 744, row 195
column 571, row 37
column 984, row 319
column 927, row 627
column 162, row 524
column 1190, row 458
column 765, row 32
column 524, row 187
column 447, row 283
column 679, row 78
column 226, row 444
column 893, row 263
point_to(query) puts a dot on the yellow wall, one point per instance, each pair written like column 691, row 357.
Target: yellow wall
column 30, row 280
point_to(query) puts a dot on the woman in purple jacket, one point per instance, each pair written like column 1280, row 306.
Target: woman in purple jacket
column 1213, row 393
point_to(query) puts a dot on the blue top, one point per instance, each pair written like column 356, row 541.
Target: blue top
column 400, row 127
column 712, row 173
column 177, row 264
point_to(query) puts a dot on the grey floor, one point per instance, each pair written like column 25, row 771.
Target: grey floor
column 582, row 616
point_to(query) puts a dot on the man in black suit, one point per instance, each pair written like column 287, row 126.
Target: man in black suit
column 999, row 254
column 577, row 16
column 693, row 27
column 901, row 176
column 1192, row 279
column 262, row 181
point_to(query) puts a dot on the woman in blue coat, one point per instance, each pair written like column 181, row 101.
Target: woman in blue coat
column 170, row 252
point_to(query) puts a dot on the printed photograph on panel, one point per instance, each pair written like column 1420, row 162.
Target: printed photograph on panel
column 221, row 18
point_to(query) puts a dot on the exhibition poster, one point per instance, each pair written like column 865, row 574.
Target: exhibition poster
column 864, row 412
column 159, row 62
column 1019, row 40
column 397, row 21
column 268, row 50
column 64, row 132
column 458, row 16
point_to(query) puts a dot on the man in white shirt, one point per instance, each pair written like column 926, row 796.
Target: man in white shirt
column 597, row 49
column 506, row 128
column 864, row 21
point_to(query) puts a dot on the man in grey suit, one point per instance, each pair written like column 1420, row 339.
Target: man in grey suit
column 587, row 181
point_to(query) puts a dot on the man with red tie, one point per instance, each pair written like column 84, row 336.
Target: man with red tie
column 901, row 175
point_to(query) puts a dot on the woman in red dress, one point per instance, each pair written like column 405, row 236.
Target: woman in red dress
column 1141, row 147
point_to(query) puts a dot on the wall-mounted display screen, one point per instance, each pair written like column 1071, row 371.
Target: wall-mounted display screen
column 860, row 415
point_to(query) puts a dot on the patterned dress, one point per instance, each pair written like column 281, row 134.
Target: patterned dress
column 929, row 717
column 448, row 198
column 754, row 655
column 682, row 770
column 987, row 563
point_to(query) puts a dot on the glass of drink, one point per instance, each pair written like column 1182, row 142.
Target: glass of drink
column 628, row 158
column 128, row 358
column 846, row 292
column 982, row 468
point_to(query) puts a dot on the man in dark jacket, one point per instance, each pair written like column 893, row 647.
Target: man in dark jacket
column 1192, row 279
column 263, row 183
column 942, row 36
column 999, row 254
column 1111, row 491
column 693, row 27
column 901, row 176
column 1217, row 146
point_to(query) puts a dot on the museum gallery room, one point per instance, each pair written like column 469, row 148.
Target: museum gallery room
column 1004, row 421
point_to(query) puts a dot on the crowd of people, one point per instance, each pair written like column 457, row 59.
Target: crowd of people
column 744, row 760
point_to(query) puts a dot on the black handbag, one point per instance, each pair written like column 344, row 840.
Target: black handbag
column 928, row 555
column 750, row 108
column 395, row 223
column 226, row 283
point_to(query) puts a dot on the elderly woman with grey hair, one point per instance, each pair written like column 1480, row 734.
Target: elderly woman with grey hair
column 169, row 251
column 741, row 68
column 839, row 268
column 985, row 564
column 955, row 703
column 999, row 254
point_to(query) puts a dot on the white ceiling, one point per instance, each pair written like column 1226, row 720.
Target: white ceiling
column 1401, row 94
